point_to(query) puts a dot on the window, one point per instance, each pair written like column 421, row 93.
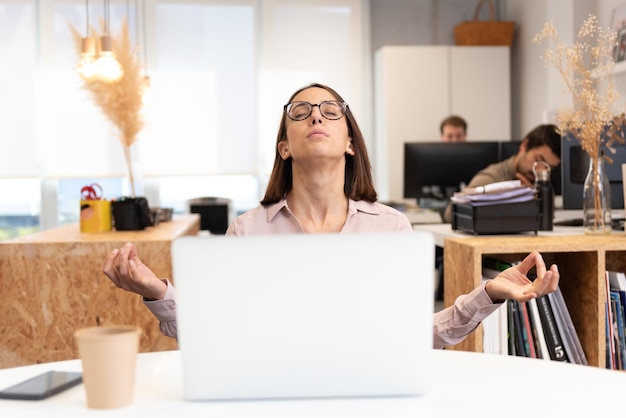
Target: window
column 20, row 207
column 220, row 70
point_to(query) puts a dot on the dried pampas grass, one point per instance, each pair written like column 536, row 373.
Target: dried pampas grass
column 121, row 101
column 581, row 65
column 592, row 118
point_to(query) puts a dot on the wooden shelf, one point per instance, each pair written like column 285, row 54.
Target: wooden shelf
column 582, row 262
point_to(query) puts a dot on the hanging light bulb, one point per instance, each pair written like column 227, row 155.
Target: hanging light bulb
column 86, row 68
column 86, row 65
column 148, row 96
column 108, row 68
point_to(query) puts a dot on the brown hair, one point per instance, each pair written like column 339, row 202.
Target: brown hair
column 453, row 120
column 547, row 134
column 358, row 184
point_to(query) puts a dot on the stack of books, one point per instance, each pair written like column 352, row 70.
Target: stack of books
column 541, row 328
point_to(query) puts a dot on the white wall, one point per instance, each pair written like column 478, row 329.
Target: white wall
column 535, row 89
column 538, row 90
column 418, row 84
column 605, row 13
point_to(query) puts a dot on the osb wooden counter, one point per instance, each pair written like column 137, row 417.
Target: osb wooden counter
column 52, row 284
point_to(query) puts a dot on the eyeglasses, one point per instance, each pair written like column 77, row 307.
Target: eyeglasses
column 330, row 109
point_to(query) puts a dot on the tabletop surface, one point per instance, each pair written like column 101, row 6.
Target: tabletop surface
column 463, row 384
column 179, row 225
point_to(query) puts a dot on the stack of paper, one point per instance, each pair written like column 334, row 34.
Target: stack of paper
column 495, row 193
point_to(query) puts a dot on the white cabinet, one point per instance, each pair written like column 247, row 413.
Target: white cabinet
column 418, row 86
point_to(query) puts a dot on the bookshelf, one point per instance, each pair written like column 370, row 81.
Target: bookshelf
column 582, row 262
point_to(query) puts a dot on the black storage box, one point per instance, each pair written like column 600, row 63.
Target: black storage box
column 131, row 214
column 214, row 213
column 505, row 218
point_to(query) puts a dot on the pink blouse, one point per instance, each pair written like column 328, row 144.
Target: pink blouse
column 450, row 325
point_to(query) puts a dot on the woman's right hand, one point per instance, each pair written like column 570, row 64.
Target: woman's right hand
column 127, row 272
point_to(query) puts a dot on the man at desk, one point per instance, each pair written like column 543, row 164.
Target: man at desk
column 543, row 143
column 453, row 129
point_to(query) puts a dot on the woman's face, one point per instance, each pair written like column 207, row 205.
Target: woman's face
column 315, row 136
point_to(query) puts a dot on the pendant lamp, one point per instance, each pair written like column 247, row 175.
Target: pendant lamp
column 108, row 68
column 86, row 65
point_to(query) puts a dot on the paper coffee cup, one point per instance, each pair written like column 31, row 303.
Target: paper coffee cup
column 108, row 355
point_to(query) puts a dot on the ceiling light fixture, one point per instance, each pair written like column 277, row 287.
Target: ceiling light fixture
column 86, row 64
column 108, row 68
column 147, row 96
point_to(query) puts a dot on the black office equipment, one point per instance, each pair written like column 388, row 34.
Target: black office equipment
column 433, row 171
column 214, row 213
column 506, row 218
column 574, row 168
column 545, row 195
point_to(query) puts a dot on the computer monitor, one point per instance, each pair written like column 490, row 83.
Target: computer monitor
column 433, row 171
column 509, row 149
column 574, row 168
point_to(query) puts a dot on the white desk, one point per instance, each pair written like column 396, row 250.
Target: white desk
column 465, row 384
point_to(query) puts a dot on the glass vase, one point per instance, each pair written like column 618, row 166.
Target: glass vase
column 596, row 199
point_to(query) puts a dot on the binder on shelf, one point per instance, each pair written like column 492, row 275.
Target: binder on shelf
column 529, row 342
column 617, row 288
column 617, row 360
column 611, row 362
column 511, row 330
column 551, row 331
column 618, row 329
column 538, row 332
column 518, row 336
column 567, row 330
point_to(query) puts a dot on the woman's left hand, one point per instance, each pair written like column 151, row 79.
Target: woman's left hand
column 513, row 282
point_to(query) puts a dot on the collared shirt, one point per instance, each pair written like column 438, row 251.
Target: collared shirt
column 450, row 325
column 362, row 216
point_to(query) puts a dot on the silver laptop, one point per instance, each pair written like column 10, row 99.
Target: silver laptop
column 298, row 316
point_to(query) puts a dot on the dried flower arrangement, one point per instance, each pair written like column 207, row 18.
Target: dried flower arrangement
column 121, row 102
column 586, row 68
